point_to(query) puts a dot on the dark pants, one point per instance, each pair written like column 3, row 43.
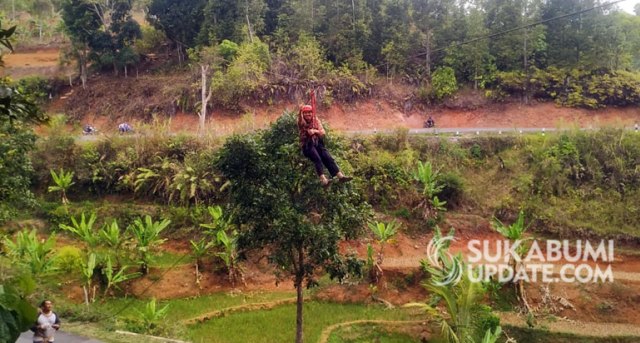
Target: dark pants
column 320, row 156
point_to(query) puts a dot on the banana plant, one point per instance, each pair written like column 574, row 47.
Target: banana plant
column 229, row 255
column 146, row 234
column 461, row 315
column 63, row 181
column 113, row 279
column 429, row 178
column 83, row 228
column 384, row 234
column 217, row 220
column 515, row 232
column 199, row 249
column 31, row 252
column 151, row 314
column 112, row 237
column 87, row 277
column 492, row 337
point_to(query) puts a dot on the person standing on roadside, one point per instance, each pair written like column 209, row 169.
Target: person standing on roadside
column 46, row 324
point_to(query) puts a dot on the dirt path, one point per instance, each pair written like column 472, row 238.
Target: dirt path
column 326, row 332
column 412, row 262
column 578, row 328
column 42, row 62
column 239, row 308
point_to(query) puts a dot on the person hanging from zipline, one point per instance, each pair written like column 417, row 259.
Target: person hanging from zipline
column 312, row 143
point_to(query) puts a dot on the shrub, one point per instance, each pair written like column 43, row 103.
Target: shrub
column 69, row 259
column 572, row 87
column 443, row 83
column 386, row 178
column 452, row 188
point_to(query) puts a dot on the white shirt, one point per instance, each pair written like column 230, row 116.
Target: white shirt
column 45, row 321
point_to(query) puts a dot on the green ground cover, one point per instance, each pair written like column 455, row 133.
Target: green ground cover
column 278, row 324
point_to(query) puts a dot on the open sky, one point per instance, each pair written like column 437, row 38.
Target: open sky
column 628, row 5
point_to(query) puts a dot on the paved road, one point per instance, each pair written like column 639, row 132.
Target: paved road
column 61, row 337
column 475, row 130
column 466, row 131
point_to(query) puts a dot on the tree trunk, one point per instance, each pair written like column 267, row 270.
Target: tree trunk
column 300, row 300
column 525, row 55
column 206, row 96
column 83, row 68
column 428, row 56
column 353, row 8
column 86, row 295
column 248, row 22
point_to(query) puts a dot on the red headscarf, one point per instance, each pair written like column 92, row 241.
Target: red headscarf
column 314, row 123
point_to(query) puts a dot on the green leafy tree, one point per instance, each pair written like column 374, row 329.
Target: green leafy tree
column 233, row 20
column 17, row 109
column 181, row 21
column 146, row 234
column 279, row 205
column 5, row 34
column 246, row 73
column 63, row 181
column 83, row 26
column 443, row 83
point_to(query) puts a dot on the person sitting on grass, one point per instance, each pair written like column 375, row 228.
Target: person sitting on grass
column 312, row 144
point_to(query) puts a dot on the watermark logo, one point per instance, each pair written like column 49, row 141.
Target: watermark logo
column 438, row 257
column 523, row 260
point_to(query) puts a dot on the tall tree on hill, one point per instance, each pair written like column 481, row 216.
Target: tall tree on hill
column 112, row 46
column 473, row 62
column 236, row 21
column 344, row 29
column 395, row 36
column 568, row 38
column 279, row 206
column 180, row 21
column 429, row 17
column 503, row 15
column 207, row 59
column 372, row 50
column 274, row 8
column 82, row 25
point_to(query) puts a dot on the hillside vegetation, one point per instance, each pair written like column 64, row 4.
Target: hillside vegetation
column 200, row 55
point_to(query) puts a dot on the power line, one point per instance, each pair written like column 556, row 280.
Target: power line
column 521, row 27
